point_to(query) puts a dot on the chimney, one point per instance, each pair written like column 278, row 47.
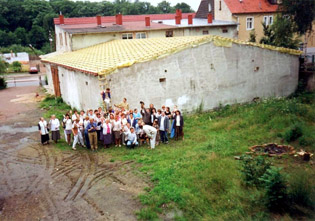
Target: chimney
column 190, row 19
column 99, row 20
column 119, row 19
column 179, row 13
column 61, row 20
column 178, row 20
column 147, row 21
column 209, row 18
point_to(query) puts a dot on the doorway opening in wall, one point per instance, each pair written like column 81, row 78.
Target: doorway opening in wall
column 55, row 79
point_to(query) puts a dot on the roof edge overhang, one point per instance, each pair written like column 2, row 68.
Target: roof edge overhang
column 148, row 29
column 70, row 68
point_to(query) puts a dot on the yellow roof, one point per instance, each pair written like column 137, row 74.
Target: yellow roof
column 105, row 58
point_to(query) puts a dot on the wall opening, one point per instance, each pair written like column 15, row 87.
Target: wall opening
column 162, row 80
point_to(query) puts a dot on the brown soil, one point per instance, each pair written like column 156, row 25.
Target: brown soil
column 43, row 183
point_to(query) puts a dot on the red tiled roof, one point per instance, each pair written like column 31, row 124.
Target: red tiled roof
column 111, row 27
column 126, row 18
column 250, row 6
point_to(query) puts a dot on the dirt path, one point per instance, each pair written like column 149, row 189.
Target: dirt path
column 42, row 183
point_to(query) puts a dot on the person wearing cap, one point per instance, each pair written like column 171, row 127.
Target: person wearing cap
column 132, row 139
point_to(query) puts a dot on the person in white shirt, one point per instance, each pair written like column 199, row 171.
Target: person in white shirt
column 107, row 133
column 124, row 134
column 151, row 133
column 123, row 119
column 117, row 130
column 74, row 116
column 77, row 136
column 82, row 115
column 68, row 128
column 91, row 114
column 54, row 127
column 132, row 139
column 43, row 131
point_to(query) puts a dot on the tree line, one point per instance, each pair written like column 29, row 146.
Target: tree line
column 24, row 22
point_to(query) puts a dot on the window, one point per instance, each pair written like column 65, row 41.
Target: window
column 268, row 20
column 127, row 36
column 60, row 39
column 141, row 35
column 220, row 6
column 225, row 30
column 65, row 39
column 249, row 23
column 209, row 7
column 169, row 34
column 205, row 32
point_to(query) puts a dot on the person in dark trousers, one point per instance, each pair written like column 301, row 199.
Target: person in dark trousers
column 164, row 123
column 179, row 125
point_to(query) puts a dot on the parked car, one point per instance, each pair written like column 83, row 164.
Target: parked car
column 33, row 70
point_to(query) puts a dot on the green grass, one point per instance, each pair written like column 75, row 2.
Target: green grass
column 198, row 178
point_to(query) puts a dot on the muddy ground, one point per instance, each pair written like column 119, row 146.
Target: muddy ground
column 43, row 183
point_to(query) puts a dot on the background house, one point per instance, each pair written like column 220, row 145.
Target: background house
column 76, row 33
column 250, row 14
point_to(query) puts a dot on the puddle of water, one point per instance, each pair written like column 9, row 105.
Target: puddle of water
column 13, row 130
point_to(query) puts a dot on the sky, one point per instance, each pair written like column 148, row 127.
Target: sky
column 193, row 3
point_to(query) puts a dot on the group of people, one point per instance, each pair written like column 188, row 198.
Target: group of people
column 116, row 125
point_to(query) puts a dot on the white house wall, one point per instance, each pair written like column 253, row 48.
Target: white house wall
column 85, row 40
column 65, row 38
column 78, row 89
column 207, row 74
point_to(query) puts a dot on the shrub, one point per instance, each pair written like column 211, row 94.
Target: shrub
column 3, row 83
column 16, row 66
column 293, row 133
column 253, row 169
column 305, row 141
column 274, row 184
column 301, row 189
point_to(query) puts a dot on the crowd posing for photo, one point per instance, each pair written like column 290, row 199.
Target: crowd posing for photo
column 117, row 125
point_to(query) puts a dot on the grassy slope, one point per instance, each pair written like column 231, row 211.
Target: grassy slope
column 198, row 178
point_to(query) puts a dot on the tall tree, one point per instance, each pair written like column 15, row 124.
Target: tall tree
column 280, row 33
column 165, row 7
column 302, row 13
column 184, row 7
